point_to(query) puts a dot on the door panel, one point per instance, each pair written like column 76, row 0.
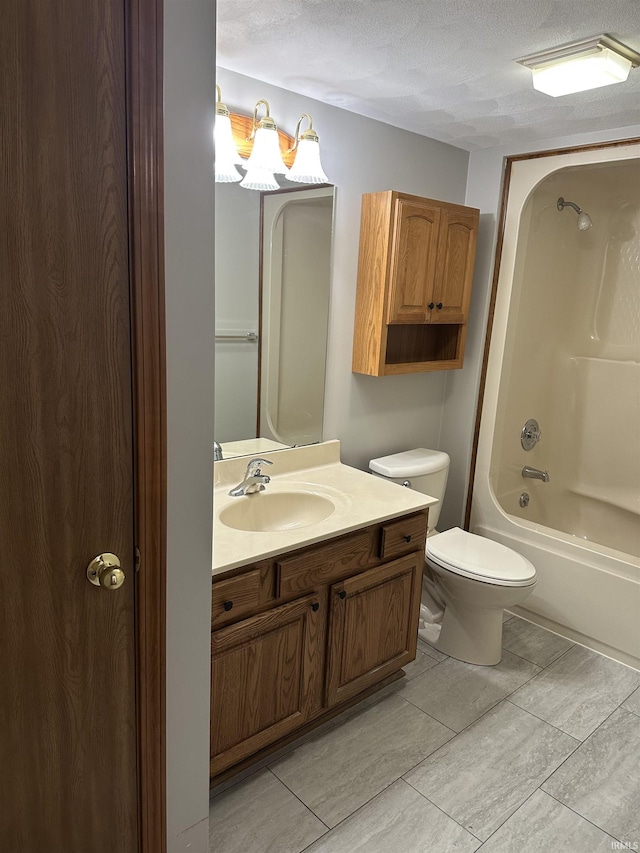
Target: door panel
column 67, row 706
column 413, row 262
column 373, row 625
column 454, row 274
column 266, row 673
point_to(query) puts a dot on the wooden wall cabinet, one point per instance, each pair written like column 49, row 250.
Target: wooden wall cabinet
column 297, row 638
column 415, row 272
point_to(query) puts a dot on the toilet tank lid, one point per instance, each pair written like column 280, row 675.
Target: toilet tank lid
column 410, row 463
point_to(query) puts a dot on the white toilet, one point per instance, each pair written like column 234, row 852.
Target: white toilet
column 468, row 580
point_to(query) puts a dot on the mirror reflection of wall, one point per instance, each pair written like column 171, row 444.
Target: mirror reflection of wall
column 271, row 347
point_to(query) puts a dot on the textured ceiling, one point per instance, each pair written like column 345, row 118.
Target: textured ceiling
column 441, row 68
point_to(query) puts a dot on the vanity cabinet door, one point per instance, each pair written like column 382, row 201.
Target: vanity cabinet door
column 267, row 678
column 373, row 625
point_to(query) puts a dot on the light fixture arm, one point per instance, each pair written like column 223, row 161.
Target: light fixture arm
column 309, row 133
column 266, row 122
column 221, row 109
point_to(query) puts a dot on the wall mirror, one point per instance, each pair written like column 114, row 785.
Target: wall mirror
column 272, row 277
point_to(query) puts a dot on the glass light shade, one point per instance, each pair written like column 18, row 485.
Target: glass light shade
column 265, row 154
column 259, row 179
column 581, row 72
column 226, row 156
column 307, row 168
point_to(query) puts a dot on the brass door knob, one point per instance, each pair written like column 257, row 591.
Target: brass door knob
column 104, row 570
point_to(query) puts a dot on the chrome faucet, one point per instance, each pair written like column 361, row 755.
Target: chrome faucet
column 254, row 479
column 535, row 474
column 217, row 452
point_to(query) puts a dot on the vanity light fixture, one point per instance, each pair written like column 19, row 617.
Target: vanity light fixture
column 265, row 160
column 226, row 156
column 581, row 65
column 307, row 168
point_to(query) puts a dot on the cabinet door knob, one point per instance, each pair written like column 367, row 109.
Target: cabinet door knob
column 431, row 306
column 342, row 594
column 439, row 306
column 407, row 538
column 315, row 606
column 228, row 605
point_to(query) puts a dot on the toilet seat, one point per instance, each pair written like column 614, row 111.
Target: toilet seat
column 480, row 559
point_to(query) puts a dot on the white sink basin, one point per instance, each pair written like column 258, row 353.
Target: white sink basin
column 272, row 511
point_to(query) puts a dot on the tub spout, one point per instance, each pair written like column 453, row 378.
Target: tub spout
column 535, row 474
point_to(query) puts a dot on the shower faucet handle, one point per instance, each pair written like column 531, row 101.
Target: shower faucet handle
column 530, row 434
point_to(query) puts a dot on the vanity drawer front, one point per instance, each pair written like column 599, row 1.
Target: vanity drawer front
column 326, row 564
column 236, row 597
column 400, row 537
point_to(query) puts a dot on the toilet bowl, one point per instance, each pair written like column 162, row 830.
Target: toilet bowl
column 468, row 579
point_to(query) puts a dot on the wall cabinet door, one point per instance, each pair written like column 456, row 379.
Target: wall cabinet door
column 413, row 261
column 267, row 678
column 454, row 268
column 373, row 625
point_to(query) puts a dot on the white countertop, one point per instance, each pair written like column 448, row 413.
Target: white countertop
column 360, row 498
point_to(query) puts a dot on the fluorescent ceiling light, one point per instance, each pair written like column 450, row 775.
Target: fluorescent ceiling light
column 581, row 65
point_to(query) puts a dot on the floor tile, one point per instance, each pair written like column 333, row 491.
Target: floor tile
column 337, row 772
column 532, row 642
column 542, row 824
column 421, row 664
column 601, row 780
column 633, row 702
column 398, row 819
column 260, row 813
column 457, row 693
column 428, row 649
column 578, row 691
column 489, row 770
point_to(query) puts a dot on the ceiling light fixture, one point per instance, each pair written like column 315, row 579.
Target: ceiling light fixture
column 581, row 65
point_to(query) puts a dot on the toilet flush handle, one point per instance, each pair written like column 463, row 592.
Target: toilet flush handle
column 407, row 484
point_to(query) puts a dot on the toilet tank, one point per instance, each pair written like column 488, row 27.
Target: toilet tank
column 426, row 471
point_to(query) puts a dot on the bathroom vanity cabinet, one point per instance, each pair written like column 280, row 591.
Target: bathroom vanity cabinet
column 415, row 272
column 296, row 638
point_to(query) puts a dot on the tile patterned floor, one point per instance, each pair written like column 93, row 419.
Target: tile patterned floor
column 541, row 752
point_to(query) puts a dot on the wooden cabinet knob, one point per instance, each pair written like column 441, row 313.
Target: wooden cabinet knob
column 315, row 606
column 431, row 306
column 439, row 306
column 342, row 594
column 407, row 538
column 228, row 605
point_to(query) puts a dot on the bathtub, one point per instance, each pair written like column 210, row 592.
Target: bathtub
column 565, row 350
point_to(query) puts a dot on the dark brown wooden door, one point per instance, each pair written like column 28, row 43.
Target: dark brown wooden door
column 67, row 703
column 413, row 261
column 373, row 626
column 266, row 675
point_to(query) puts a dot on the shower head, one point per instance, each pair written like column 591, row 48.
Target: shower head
column 584, row 220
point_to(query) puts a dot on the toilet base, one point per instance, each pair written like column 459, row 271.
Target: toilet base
column 471, row 628
column 471, row 634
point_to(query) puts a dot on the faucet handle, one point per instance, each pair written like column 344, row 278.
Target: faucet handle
column 254, row 466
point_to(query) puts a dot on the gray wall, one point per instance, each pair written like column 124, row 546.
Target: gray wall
column 461, row 387
column 189, row 67
column 370, row 415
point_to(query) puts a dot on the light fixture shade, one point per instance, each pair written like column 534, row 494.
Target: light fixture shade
column 266, row 154
column 581, row 65
column 259, row 179
column 602, row 67
column 226, row 156
column 307, row 168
